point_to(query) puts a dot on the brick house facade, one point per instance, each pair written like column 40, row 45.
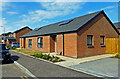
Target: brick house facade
column 88, row 39
column 14, row 37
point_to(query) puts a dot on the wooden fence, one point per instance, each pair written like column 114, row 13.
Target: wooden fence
column 112, row 45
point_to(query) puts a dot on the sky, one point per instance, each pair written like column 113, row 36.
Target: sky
column 16, row 15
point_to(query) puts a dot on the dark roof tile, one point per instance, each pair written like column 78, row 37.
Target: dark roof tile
column 117, row 25
column 56, row 28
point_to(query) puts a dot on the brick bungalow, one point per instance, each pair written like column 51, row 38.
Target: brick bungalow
column 77, row 37
column 117, row 25
column 14, row 37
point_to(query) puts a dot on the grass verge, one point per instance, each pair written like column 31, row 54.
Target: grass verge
column 38, row 54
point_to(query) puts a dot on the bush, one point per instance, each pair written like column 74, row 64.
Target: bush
column 53, row 56
column 53, row 60
column 59, row 59
column 41, row 54
column 38, row 55
column 50, row 59
column 117, row 55
column 43, row 57
column 47, row 57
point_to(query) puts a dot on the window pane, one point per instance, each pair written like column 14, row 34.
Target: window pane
column 40, row 42
column 101, row 40
column 89, row 40
column 30, row 43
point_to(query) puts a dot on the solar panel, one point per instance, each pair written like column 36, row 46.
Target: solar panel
column 66, row 22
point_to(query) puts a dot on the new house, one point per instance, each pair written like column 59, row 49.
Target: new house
column 117, row 25
column 78, row 37
column 14, row 37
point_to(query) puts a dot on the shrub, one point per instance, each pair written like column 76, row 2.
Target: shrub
column 41, row 54
column 50, row 59
column 38, row 55
column 117, row 55
column 59, row 59
column 43, row 57
column 53, row 60
column 48, row 56
column 53, row 56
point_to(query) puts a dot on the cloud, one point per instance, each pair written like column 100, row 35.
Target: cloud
column 2, row 21
column 12, row 12
column 3, row 5
column 51, row 10
column 105, row 8
column 92, row 11
column 108, row 7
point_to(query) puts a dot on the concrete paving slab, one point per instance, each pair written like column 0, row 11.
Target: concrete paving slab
column 107, row 67
column 72, row 61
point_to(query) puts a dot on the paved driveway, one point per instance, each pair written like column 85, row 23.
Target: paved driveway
column 104, row 67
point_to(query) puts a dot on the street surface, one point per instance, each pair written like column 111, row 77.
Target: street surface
column 39, row 69
column 10, row 70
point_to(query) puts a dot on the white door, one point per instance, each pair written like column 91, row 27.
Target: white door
column 56, row 44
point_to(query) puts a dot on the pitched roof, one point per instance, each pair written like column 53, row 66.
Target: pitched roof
column 21, row 29
column 117, row 25
column 73, row 26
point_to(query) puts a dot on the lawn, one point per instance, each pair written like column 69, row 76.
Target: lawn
column 28, row 52
column 38, row 54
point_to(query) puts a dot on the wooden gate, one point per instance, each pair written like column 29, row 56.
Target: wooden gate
column 112, row 45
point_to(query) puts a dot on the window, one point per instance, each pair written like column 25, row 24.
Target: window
column 89, row 40
column 40, row 42
column 30, row 43
column 102, row 40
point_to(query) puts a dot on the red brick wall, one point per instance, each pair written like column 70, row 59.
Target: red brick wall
column 22, row 42
column 46, row 44
column 100, row 26
column 60, row 43
column 21, row 33
column 52, row 43
column 70, row 44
